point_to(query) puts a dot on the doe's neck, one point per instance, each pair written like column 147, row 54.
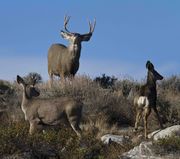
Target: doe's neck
column 150, row 80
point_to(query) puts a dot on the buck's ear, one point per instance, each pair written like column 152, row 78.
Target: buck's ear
column 20, row 80
column 149, row 65
column 65, row 35
column 86, row 37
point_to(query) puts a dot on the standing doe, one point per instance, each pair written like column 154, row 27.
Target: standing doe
column 146, row 99
column 41, row 112
column 63, row 61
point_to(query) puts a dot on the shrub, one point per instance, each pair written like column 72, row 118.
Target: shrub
column 5, row 87
column 172, row 83
column 164, row 108
column 97, row 100
column 168, row 145
column 33, row 78
column 106, row 110
column 14, row 140
column 128, row 86
column 105, row 81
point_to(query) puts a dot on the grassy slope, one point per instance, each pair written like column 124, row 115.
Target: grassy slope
column 105, row 111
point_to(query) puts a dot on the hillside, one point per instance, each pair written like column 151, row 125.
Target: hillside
column 107, row 109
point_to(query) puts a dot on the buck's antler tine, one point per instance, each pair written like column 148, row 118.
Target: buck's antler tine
column 33, row 80
column 92, row 26
column 66, row 20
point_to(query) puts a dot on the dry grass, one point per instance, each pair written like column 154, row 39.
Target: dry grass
column 168, row 145
column 105, row 111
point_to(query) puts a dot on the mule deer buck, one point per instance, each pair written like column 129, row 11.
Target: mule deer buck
column 63, row 61
column 44, row 112
column 146, row 99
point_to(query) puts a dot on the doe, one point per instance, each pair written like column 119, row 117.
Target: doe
column 146, row 99
column 41, row 112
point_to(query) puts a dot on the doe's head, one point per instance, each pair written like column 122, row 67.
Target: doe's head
column 152, row 72
column 29, row 90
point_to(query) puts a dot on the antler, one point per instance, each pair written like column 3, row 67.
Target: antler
column 92, row 26
column 66, row 20
column 33, row 80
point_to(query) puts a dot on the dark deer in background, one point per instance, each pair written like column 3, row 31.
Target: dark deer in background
column 146, row 99
column 63, row 61
column 48, row 112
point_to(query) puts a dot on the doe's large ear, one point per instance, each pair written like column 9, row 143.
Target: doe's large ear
column 20, row 80
column 149, row 65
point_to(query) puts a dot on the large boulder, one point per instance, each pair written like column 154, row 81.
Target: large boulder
column 168, row 132
column 146, row 150
column 141, row 151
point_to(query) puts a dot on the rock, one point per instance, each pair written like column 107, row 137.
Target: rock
column 168, row 132
column 146, row 151
column 120, row 139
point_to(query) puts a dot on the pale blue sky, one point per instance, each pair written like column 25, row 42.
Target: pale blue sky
column 127, row 34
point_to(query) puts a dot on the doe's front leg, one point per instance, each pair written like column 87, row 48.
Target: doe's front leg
column 34, row 127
